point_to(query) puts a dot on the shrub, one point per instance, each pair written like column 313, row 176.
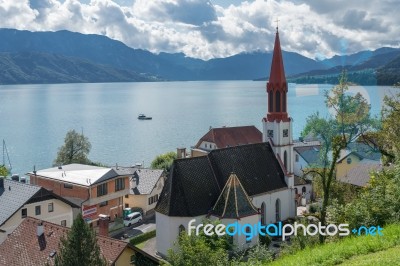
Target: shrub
column 143, row 237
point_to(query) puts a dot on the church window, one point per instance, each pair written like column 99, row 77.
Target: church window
column 270, row 133
column 285, row 160
column 248, row 232
column 181, row 229
column 284, row 102
column 304, row 190
column 286, row 133
column 278, row 210
column 262, row 213
column 270, row 101
column 278, row 101
column 297, row 157
column 348, row 160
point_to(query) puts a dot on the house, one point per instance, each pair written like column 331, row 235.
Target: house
column 306, row 154
column 98, row 190
column 145, row 188
column 260, row 174
column 36, row 242
column 359, row 175
column 217, row 138
column 18, row 200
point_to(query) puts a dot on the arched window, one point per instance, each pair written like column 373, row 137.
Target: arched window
column 278, row 101
column 181, row 229
column 296, row 191
column 263, row 213
column 278, row 210
column 304, row 190
column 284, row 102
column 285, row 160
column 270, row 101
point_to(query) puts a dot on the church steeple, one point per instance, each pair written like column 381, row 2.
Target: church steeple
column 277, row 86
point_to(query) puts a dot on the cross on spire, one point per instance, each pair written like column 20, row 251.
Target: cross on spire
column 277, row 22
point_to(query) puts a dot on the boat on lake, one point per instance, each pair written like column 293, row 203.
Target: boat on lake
column 143, row 117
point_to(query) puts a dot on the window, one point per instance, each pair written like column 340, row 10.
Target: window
column 296, row 191
column 270, row 101
column 304, row 190
column 181, row 229
column 284, row 101
column 153, row 199
column 64, row 223
column 270, row 133
column 69, row 186
column 297, row 157
column 248, row 233
column 126, row 196
column 285, row 160
column 126, row 205
column 263, row 213
column 348, row 160
column 24, row 213
column 119, row 184
column 286, row 133
column 37, row 210
column 51, row 207
column 278, row 210
column 104, row 203
column 102, row 190
column 278, row 101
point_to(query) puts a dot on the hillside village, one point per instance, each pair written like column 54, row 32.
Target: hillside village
column 232, row 174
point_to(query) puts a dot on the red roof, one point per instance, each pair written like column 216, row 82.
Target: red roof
column 22, row 245
column 232, row 136
column 277, row 79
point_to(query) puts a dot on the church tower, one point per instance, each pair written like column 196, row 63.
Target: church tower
column 277, row 125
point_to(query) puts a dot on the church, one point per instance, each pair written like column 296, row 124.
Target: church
column 247, row 183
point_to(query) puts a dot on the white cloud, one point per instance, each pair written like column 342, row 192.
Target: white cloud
column 199, row 29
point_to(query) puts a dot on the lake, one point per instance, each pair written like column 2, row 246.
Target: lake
column 35, row 118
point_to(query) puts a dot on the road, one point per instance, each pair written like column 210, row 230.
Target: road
column 134, row 230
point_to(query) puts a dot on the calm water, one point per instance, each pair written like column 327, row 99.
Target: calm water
column 35, row 118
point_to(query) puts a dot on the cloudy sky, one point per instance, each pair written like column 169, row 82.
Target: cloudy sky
column 218, row 28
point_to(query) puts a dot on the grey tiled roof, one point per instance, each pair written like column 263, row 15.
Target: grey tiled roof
column 310, row 154
column 14, row 196
column 145, row 180
column 360, row 174
column 363, row 151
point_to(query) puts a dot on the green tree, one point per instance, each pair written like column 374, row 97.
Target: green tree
column 198, row 250
column 3, row 170
column 350, row 117
column 164, row 161
column 80, row 247
column 75, row 149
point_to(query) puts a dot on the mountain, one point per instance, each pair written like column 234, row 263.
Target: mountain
column 365, row 70
column 35, row 67
column 101, row 50
column 65, row 56
column 389, row 74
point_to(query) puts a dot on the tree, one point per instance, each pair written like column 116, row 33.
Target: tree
column 349, row 119
column 79, row 247
column 164, row 161
column 3, row 170
column 75, row 149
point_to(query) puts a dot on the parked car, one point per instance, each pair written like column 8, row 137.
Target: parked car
column 133, row 218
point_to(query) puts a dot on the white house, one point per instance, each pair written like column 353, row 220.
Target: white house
column 261, row 175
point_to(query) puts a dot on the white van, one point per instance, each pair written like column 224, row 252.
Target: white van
column 133, row 218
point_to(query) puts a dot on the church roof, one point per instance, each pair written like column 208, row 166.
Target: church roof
column 225, row 137
column 277, row 77
column 194, row 184
column 233, row 202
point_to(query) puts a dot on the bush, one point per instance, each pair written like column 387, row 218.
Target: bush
column 314, row 208
column 143, row 237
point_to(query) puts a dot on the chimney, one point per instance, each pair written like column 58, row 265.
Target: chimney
column 40, row 235
column 103, row 224
column 181, row 153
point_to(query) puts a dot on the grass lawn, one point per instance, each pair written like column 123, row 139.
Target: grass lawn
column 349, row 249
column 381, row 258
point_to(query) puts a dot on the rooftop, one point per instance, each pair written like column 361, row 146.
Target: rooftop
column 22, row 247
column 144, row 180
column 80, row 174
column 360, row 174
column 232, row 136
column 13, row 196
column 310, row 153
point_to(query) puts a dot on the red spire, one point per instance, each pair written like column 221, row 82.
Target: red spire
column 277, row 86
